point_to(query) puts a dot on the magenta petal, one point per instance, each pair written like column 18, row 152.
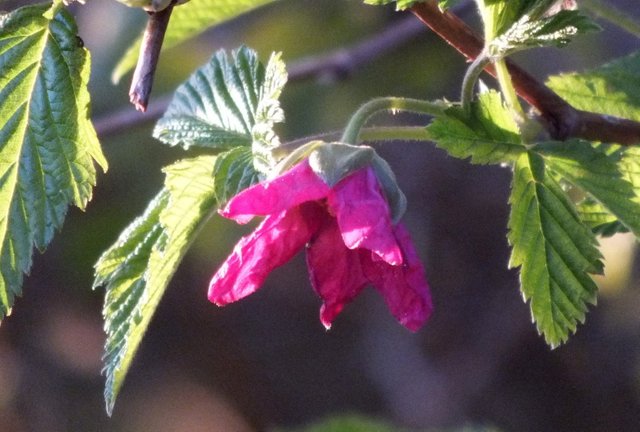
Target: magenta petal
column 404, row 288
column 299, row 184
column 274, row 242
column 334, row 271
column 363, row 215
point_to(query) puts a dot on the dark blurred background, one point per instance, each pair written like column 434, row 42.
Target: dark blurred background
column 266, row 361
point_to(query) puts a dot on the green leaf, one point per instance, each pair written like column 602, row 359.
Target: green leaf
column 557, row 29
column 499, row 15
column 347, row 423
column 488, row 136
column 234, row 172
column 596, row 217
column 138, row 267
column 596, row 173
column 129, row 300
column 612, row 89
column 601, row 220
column 47, row 142
column 188, row 21
column 228, row 103
column 553, row 248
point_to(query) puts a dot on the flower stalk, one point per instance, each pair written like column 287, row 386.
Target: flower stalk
column 393, row 104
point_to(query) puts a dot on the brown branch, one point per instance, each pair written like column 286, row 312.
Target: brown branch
column 561, row 120
column 142, row 80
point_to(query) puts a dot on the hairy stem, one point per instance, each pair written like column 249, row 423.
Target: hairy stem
column 470, row 80
column 393, row 104
column 395, row 133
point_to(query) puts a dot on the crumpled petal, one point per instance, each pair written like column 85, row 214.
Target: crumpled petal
column 363, row 215
column 404, row 288
column 274, row 242
column 299, row 184
column 334, row 271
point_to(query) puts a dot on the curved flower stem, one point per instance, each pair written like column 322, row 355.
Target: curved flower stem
column 471, row 78
column 393, row 104
column 613, row 15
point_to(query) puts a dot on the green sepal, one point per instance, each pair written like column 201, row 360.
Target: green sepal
column 334, row 161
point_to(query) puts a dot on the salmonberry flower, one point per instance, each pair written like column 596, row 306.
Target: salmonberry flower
column 348, row 234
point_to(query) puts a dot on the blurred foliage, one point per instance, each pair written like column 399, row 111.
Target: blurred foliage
column 360, row 423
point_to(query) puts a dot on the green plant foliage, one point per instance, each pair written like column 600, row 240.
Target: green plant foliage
column 612, row 89
column 349, row 423
column 129, row 302
column 188, row 21
column 553, row 248
column 138, row 267
column 228, row 103
column 557, row 29
column 499, row 15
column 596, row 217
column 47, row 143
column 234, row 172
column 488, row 135
column 598, row 174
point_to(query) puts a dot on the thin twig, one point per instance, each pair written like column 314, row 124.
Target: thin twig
column 561, row 120
column 337, row 64
column 142, row 80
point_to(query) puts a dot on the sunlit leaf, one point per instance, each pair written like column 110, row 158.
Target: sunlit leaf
column 122, row 269
column 553, row 248
column 138, row 267
column 47, row 142
column 557, row 29
column 228, row 102
column 596, row 217
column 234, row 172
column 596, row 173
column 612, row 89
column 488, row 136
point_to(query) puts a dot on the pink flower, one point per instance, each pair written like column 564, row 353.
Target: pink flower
column 349, row 237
